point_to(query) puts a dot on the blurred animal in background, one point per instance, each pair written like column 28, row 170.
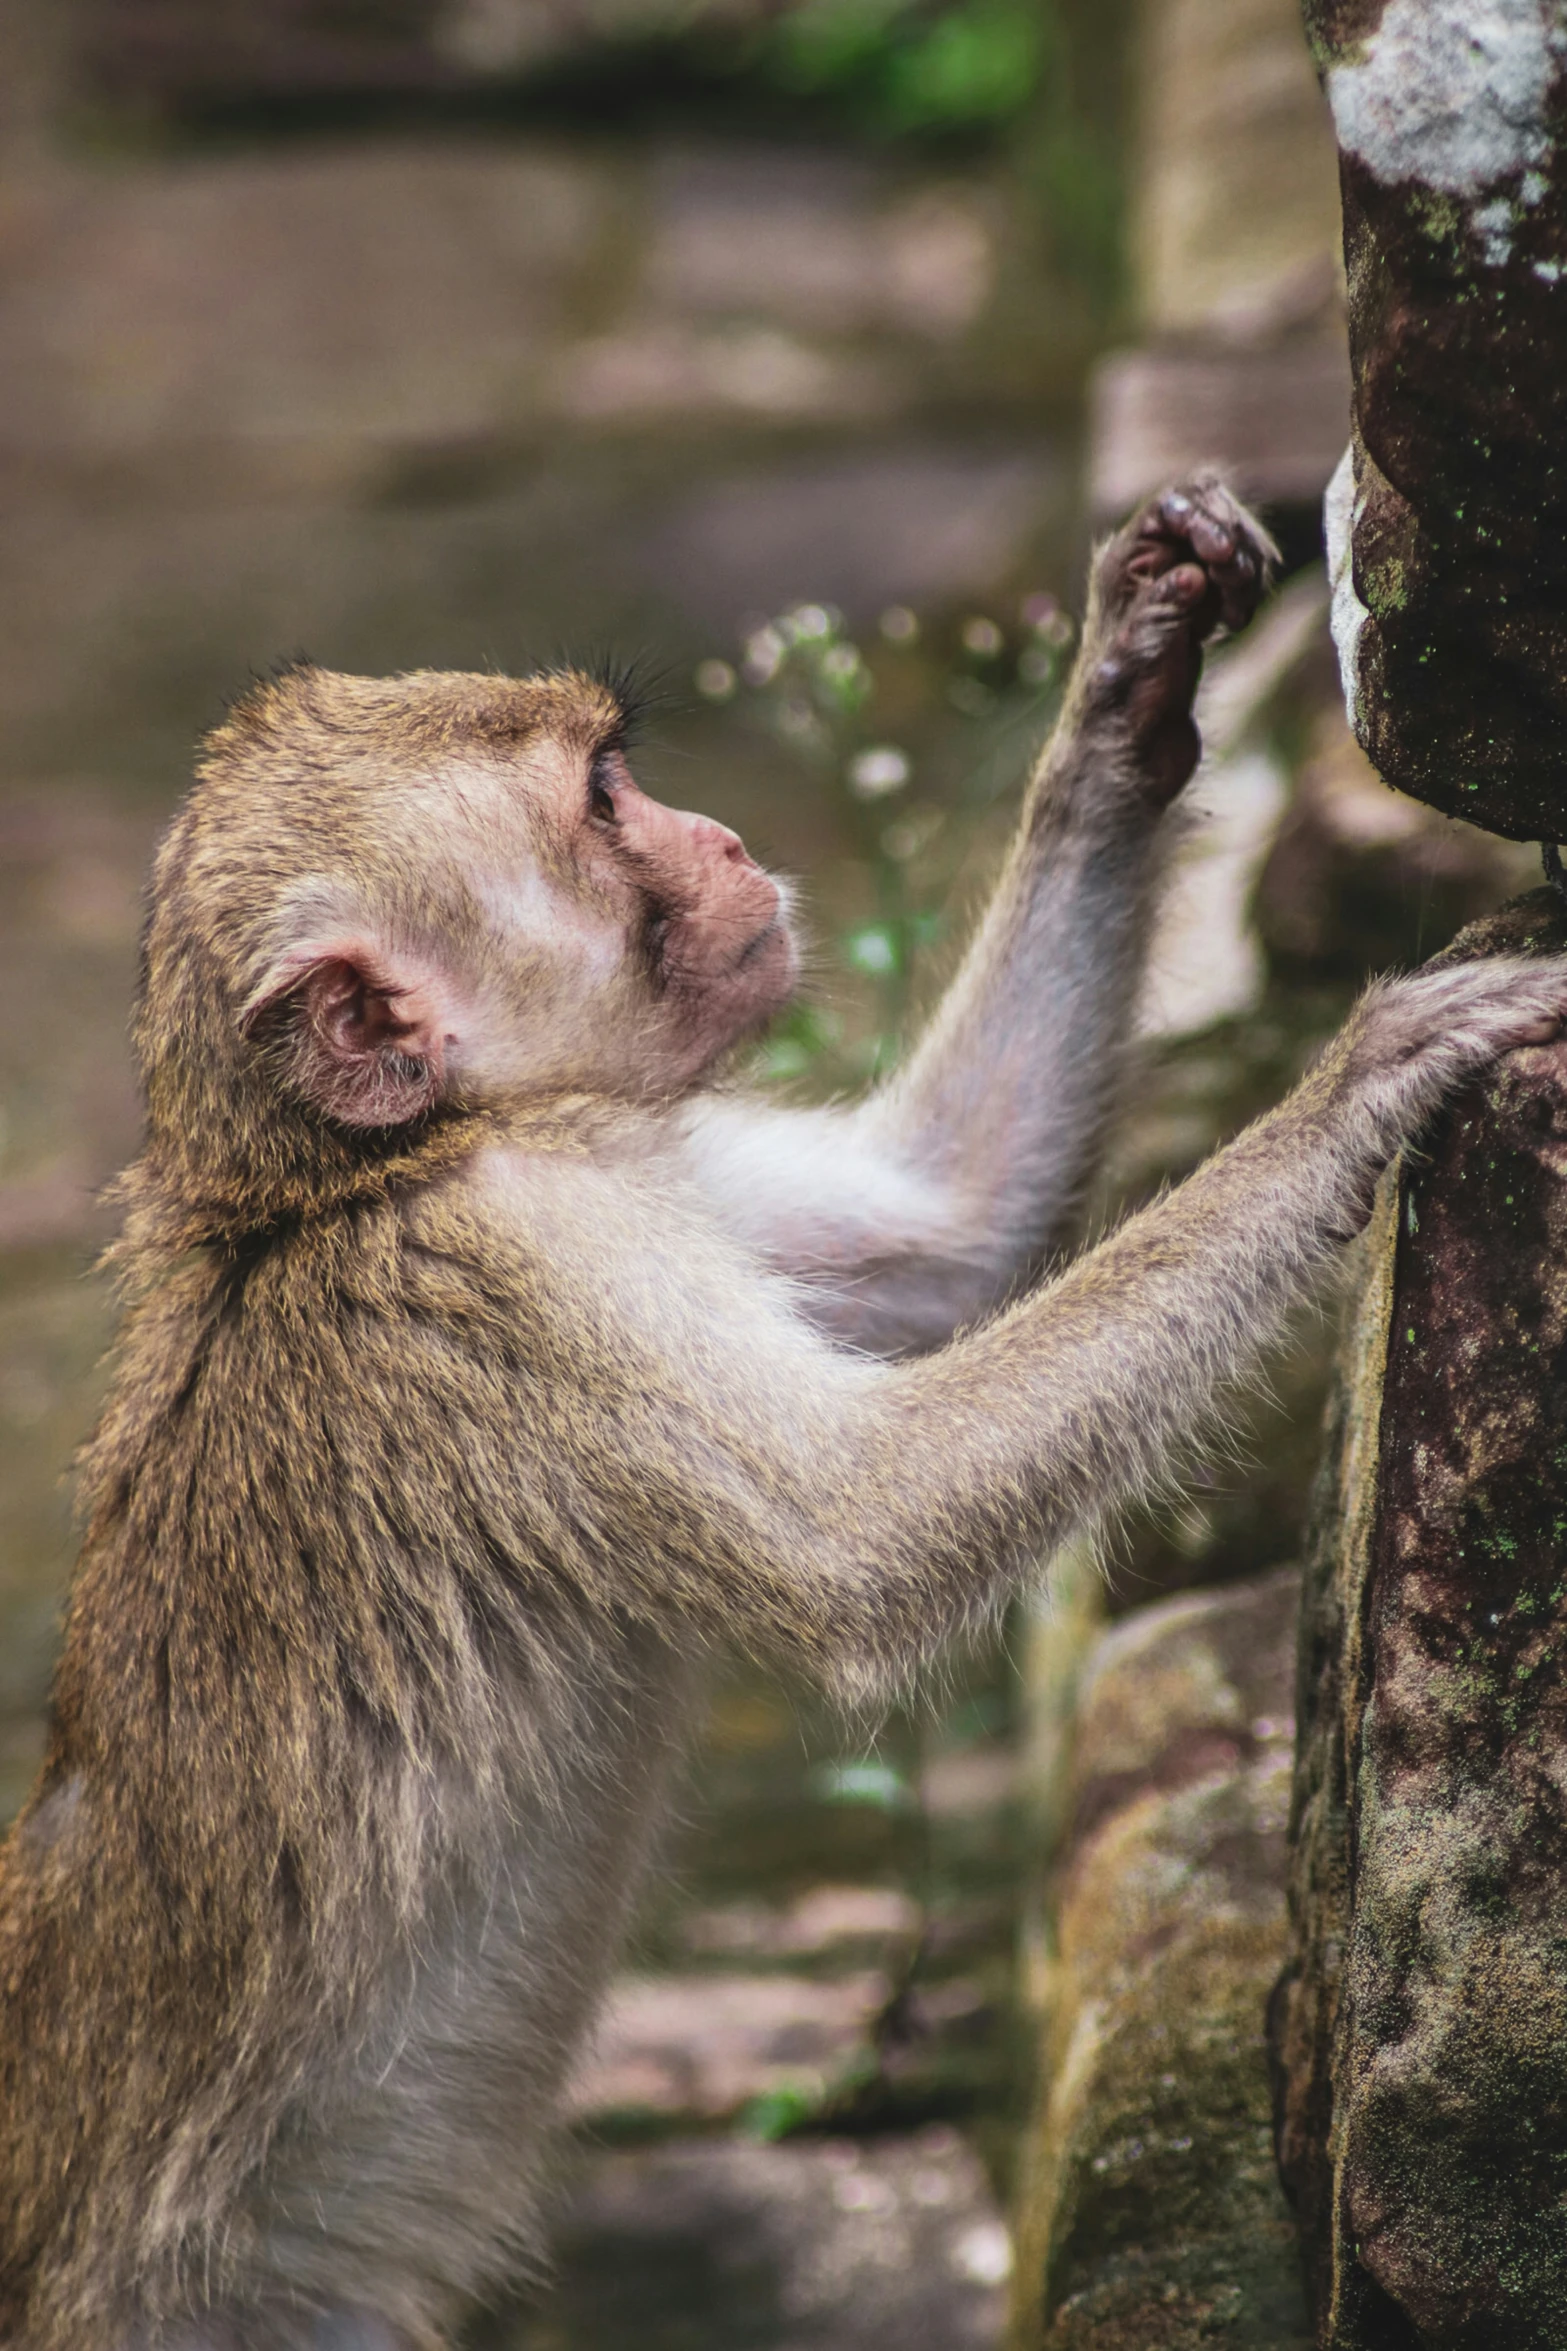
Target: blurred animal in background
column 491, row 1360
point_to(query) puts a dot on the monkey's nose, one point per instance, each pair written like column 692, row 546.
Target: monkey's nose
column 719, row 838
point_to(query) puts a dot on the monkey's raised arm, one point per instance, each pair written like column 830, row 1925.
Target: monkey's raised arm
column 851, row 1514
column 918, row 1211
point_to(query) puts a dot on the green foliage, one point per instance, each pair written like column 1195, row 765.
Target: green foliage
column 861, row 1779
column 904, row 67
column 804, row 1032
column 976, row 64
column 780, row 2112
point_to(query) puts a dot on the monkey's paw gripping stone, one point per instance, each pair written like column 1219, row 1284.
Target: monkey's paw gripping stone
column 1151, row 2218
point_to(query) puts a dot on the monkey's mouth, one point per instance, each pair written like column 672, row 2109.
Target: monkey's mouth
column 759, row 940
column 776, row 929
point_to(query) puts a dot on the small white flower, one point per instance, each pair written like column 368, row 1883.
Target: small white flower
column 984, row 2253
column 875, row 773
column 764, row 651
column 982, row 636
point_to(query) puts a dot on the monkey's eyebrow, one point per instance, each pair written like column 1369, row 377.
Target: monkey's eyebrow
column 637, row 685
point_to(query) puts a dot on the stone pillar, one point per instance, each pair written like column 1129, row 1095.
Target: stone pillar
column 1149, row 2216
column 1449, row 518
column 1421, row 2025
column 1232, row 247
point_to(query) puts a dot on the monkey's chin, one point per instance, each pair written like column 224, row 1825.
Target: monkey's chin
column 770, row 966
column 761, row 987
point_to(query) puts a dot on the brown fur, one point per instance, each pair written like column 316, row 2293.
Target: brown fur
column 442, row 1451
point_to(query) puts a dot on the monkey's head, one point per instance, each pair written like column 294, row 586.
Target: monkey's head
column 390, row 902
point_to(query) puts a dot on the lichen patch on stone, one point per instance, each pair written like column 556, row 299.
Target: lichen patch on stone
column 1452, row 93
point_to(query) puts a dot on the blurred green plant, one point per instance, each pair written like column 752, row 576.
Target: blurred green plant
column 782, row 2111
column 823, row 694
column 861, row 1779
column 904, row 66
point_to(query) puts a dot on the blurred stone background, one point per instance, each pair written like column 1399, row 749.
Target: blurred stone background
column 751, row 338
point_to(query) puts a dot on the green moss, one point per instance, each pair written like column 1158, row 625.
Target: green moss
column 1156, row 2221
column 1386, row 587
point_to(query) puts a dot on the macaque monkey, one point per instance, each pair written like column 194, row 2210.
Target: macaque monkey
column 489, row 1363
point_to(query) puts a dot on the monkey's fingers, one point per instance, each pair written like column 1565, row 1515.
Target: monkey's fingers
column 1239, row 578
column 1446, row 1024
column 1162, row 535
column 1219, row 533
column 1202, row 523
column 1185, row 586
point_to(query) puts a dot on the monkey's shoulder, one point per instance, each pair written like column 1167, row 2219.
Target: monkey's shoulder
column 470, row 1303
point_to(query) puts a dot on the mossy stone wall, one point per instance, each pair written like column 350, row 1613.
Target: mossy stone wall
column 1150, row 2216
column 1421, row 2025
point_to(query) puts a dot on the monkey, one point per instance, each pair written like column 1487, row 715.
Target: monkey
column 491, row 1362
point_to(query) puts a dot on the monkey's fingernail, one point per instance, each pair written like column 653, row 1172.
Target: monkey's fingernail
column 1185, row 583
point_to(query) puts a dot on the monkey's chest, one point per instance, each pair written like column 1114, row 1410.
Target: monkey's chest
column 431, row 2145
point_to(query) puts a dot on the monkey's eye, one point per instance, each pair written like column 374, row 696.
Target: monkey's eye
column 601, row 800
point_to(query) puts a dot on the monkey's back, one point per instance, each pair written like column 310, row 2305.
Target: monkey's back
column 321, row 1759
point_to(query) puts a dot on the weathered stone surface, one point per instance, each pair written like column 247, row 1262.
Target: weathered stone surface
column 200, row 53
column 1151, row 2217
column 1452, row 625
column 205, row 49
column 699, row 2047
column 1422, row 2025
column 54, row 1326
column 1233, row 236
column 836, row 248
column 887, row 2244
column 913, row 520
column 1234, row 224
column 305, row 300
column 1063, row 1621
column 291, row 317
column 1360, row 877
column 72, row 866
column 1305, row 2011
column 1273, row 417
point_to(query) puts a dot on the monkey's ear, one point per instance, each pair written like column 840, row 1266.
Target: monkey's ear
column 365, row 1038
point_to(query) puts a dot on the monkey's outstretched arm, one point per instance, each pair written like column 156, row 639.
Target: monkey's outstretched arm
column 853, row 1515
column 1008, row 1093
column 919, row 1211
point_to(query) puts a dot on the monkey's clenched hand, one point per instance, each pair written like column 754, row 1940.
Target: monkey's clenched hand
column 1193, row 560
